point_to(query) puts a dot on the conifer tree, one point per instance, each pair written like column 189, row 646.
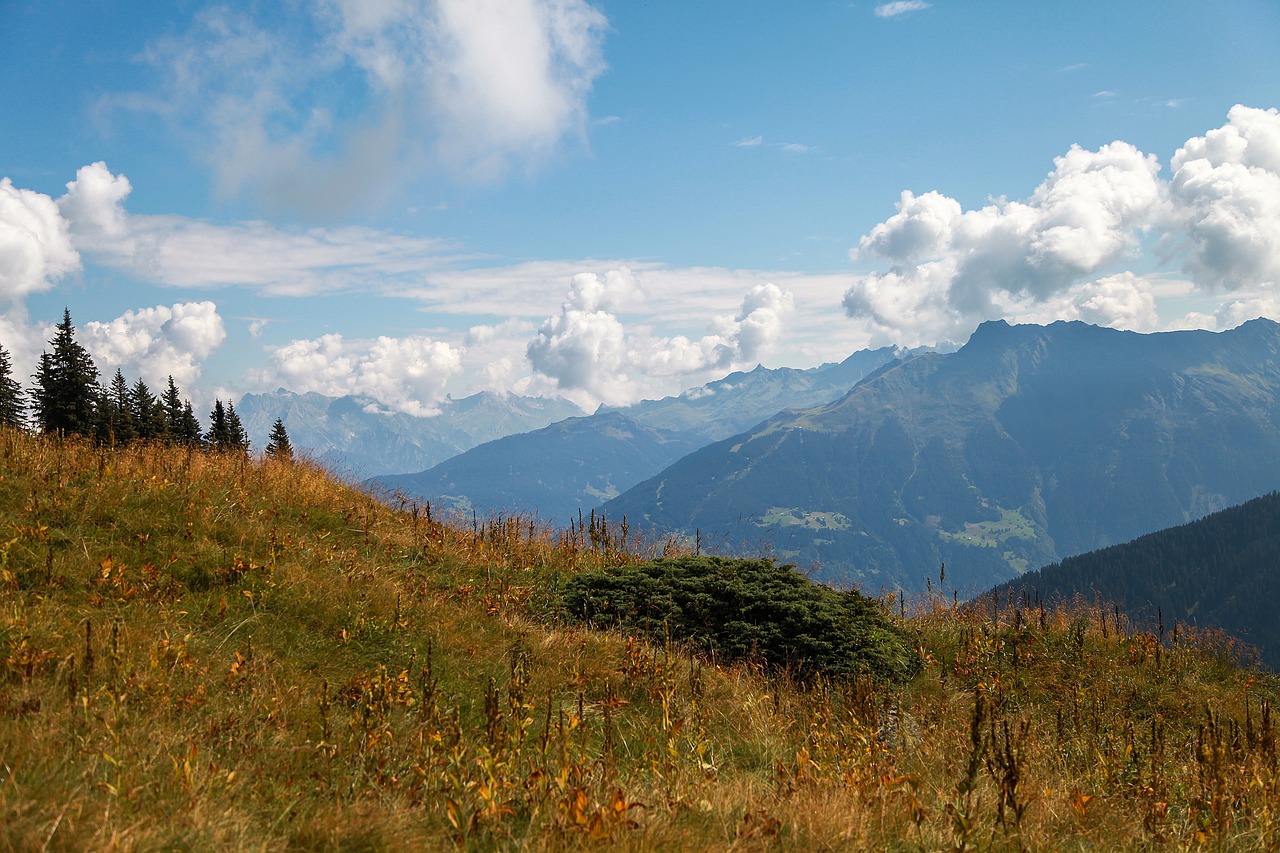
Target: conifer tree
column 147, row 412
column 171, row 405
column 66, row 383
column 279, row 447
column 218, row 437
column 189, row 429
column 239, row 438
column 226, row 433
column 11, row 408
column 180, row 424
column 115, row 422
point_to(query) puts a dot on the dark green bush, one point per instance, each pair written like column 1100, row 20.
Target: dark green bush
column 741, row 608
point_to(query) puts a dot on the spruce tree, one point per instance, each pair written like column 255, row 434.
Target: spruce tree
column 171, row 405
column 239, row 438
column 11, row 408
column 279, row 447
column 180, row 424
column 189, row 429
column 218, row 437
column 115, row 418
column 66, row 383
column 226, row 433
column 147, row 411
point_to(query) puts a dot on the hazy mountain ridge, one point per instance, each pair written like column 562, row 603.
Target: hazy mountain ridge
column 1028, row 444
column 350, row 436
column 741, row 400
column 1222, row 570
column 573, row 464
column 580, row 463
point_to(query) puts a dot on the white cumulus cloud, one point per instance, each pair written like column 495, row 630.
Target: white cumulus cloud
column 1121, row 301
column 586, row 350
column 583, row 348
column 158, row 342
column 94, row 204
column 406, row 374
column 1233, row 313
column 1061, row 252
column 35, row 246
column 1227, row 188
column 759, row 324
column 1056, row 252
column 21, row 340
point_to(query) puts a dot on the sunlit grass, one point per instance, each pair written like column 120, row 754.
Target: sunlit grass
column 214, row 653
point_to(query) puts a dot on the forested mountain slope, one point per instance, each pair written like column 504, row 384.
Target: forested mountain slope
column 1222, row 570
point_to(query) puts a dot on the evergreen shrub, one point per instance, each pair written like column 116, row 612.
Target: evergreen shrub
column 747, row 608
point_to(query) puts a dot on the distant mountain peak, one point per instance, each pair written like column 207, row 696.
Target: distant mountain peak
column 988, row 327
column 1261, row 326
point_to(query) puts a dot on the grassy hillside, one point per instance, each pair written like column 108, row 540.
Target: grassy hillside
column 209, row 653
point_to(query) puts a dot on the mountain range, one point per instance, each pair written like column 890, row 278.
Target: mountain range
column 579, row 463
column 574, row 464
column 1027, row 445
column 352, row 436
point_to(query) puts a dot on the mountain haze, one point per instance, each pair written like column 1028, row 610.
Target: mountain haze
column 580, row 463
column 1029, row 444
column 352, row 436
column 577, row 463
column 741, row 400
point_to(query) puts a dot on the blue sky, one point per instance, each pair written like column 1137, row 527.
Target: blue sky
column 615, row 200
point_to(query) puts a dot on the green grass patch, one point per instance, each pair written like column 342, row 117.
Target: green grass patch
column 778, row 516
column 991, row 534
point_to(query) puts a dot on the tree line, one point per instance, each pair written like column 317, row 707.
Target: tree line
column 67, row 398
column 1220, row 570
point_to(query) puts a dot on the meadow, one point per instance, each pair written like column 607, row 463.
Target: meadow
column 204, row 651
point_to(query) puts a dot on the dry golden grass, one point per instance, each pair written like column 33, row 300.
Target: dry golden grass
column 212, row 653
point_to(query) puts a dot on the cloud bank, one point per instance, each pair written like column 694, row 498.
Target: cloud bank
column 1062, row 252
column 396, row 374
column 180, row 252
